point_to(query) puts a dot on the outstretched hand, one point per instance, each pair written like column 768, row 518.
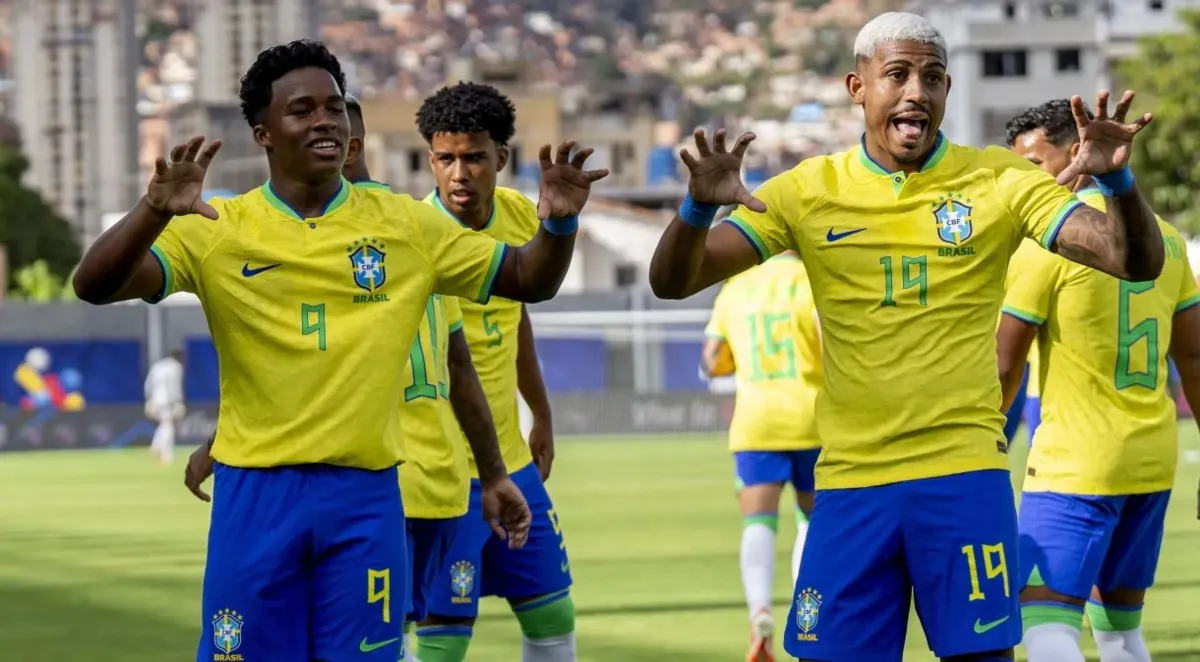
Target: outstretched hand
column 177, row 183
column 1105, row 143
column 716, row 177
column 565, row 184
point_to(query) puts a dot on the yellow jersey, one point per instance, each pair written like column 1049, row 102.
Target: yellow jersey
column 1031, row 386
column 491, row 328
column 908, row 275
column 434, row 479
column 1108, row 422
column 767, row 317
column 313, row 318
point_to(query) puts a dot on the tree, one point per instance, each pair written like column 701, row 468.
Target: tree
column 29, row 228
column 37, row 284
column 1165, row 73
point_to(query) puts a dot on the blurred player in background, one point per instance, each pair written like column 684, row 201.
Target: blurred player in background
column 1103, row 463
column 314, row 292
column 164, row 403
column 764, row 329
column 468, row 127
column 906, row 239
column 442, row 393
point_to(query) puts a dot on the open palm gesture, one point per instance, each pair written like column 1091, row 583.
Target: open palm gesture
column 716, row 177
column 565, row 184
column 1105, row 143
column 177, row 183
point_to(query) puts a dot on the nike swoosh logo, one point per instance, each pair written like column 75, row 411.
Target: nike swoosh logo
column 364, row 647
column 980, row 628
column 248, row 272
column 834, row 236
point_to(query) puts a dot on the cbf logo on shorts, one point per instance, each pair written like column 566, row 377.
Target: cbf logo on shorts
column 808, row 610
column 462, row 580
column 227, row 635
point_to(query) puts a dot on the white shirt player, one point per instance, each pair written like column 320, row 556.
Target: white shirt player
column 164, row 404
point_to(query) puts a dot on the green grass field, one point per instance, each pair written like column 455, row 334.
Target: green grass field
column 101, row 555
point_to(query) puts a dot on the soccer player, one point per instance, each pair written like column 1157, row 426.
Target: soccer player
column 767, row 319
column 468, row 127
column 906, row 239
column 1103, row 463
column 164, row 403
column 314, row 292
column 442, row 393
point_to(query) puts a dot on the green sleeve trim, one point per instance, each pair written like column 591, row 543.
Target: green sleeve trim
column 1187, row 303
column 489, row 281
column 1064, row 212
column 1024, row 316
column 753, row 237
column 168, row 286
column 457, row 326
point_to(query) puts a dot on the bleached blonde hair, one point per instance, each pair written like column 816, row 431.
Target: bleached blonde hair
column 892, row 27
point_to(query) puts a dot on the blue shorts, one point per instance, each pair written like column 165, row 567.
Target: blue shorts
column 763, row 467
column 1032, row 412
column 304, row 562
column 481, row 564
column 1012, row 421
column 948, row 540
column 429, row 542
column 1076, row 542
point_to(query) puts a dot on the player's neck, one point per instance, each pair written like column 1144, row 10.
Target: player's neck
column 885, row 160
column 308, row 199
column 477, row 218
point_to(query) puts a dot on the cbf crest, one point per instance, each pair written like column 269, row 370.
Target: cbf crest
column 462, row 579
column 952, row 212
column 808, row 612
column 227, row 631
column 366, row 257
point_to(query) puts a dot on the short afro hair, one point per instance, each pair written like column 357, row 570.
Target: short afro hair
column 1054, row 117
column 276, row 62
column 468, row 108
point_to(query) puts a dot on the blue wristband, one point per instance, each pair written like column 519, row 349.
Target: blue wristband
column 1115, row 183
column 697, row 214
column 561, row 227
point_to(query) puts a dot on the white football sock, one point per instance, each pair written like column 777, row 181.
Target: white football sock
column 551, row 649
column 1126, row 646
column 758, row 565
column 798, row 548
column 1053, row 642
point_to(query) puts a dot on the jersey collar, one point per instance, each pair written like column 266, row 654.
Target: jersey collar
column 338, row 199
column 372, row 184
column 931, row 160
column 436, row 198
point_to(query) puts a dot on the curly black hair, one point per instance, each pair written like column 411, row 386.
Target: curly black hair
column 1054, row 117
column 468, row 108
column 277, row 61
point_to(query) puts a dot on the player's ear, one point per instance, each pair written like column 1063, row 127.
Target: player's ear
column 1073, row 151
column 855, row 85
column 429, row 154
column 354, row 150
column 948, row 81
column 262, row 137
column 501, row 157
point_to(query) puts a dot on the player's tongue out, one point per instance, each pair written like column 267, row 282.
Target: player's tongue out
column 908, row 128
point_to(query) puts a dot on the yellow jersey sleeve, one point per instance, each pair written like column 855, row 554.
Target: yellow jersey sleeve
column 180, row 249
column 716, row 323
column 1036, row 203
column 1189, row 294
column 770, row 232
column 454, row 316
column 465, row 263
column 1035, row 275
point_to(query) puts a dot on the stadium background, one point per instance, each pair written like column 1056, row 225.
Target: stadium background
column 101, row 549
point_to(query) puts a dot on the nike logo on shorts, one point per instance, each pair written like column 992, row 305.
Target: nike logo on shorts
column 248, row 272
column 364, row 647
column 832, row 236
column 980, row 628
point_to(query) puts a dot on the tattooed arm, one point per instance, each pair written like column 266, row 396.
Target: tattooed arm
column 1124, row 242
